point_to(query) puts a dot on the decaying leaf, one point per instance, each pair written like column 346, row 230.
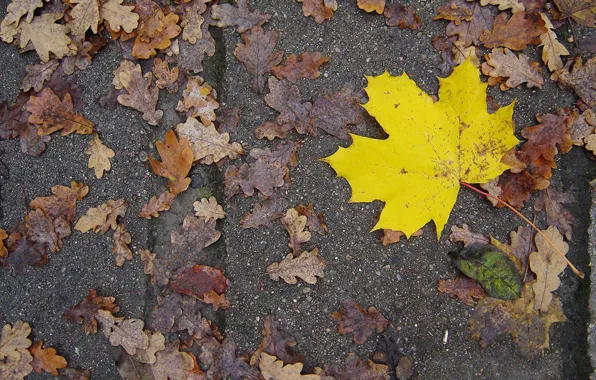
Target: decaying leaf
column 257, row 54
column 176, row 161
column 352, row 318
column 99, row 156
column 582, row 127
column 454, row 11
column 261, row 175
column 514, row 33
column 552, row 49
column 402, row 16
column 315, row 222
column 547, row 264
column 444, row 45
column 551, row 201
column 199, row 281
column 157, row 204
column 15, row 359
column 127, row 333
column 192, row 22
column 528, row 327
column 224, row 361
column 172, row 363
column 3, row 250
column 285, row 98
column 580, row 79
column 228, row 119
column 46, row 359
column 307, row 266
column 273, row 368
column 307, row 66
column 121, row 250
column 334, row 112
column 19, row 8
column 155, row 33
column 390, row 236
column 46, row 36
column 478, row 141
column 209, row 209
column 469, row 32
column 119, row 16
column 85, row 312
column 198, row 100
column 264, row 214
column 140, row 95
column 276, row 342
column 504, row 67
column 372, row 5
column 53, row 115
column 156, row 344
column 103, row 217
column 38, row 74
column 294, row 225
column 84, row 15
column 467, row 290
column 354, row 368
column 241, row 16
column 582, row 11
column 207, row 145
column 319, row 10
column 164, row 77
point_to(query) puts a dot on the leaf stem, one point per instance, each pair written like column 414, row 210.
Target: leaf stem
column 579, row 273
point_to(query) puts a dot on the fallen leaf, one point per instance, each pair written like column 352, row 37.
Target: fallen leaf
column 120, row 249
column 462, row 54
column 444, row 45
column 40, row 229
column 55, row 115
column 514, row 33
column 354, row 368
column 192, row 22
column 224, row 362
column 276, row 342
column 228, row 119
column 261, row 175
column 207, row 145
column 157, row 204
column 582, row 11
column 164, row 77
column 454, row 11
column 514, row 5
column 580, row 79
column 372, row 5
column 38, row 74
column 130, row 368
column 352, row 318
column 465, row 235
column 294, row 225
column 19, row 8
column 198, row 100
column 503, row 66
column 13, row 119
column 191, row 56
column 175, row 364
column 127, row 333
column 319, row 10
column 46, row 36
column 396, row 103
column 285, row 98
column 140, row 95
column 200, row 280
column 46, row 359
column 332, row 113
column 402, row 16
column 257, row 54
column 315, row 222
column 156, row 344
column 118, row 16
column 271, row 129
column 63, row 201
column 83, row 16
column 85, row 312
column 551, row 201
column 209, row 209
column 583, row 126
column 15, row 359
column 403, row 370
column 148, row 259
column 466, row 289
column 155, row 34
column 86, row 50
column 307, row 266
column 307, row 66
column 241, row 16
column 102, row 218
column 75, row 374
column 528, row 328
column 99, row 156
column 390, row 236
column 552, row 49
column 262, row 215
column 176, row 162
column 469, row 32
column 273, row 368
column 3, row 250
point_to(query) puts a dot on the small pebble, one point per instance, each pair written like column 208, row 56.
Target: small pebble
column 306, row 290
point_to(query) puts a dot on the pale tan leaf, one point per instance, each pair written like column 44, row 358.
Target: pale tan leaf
column 198, row 100
column 274, row 369
column 119, row 16
column 103, row 217
column 14, row 340
column 552, row 49
column 294, row 223
column 46, row 36
column 127, row 333
column 156, row 344
column 19, row 8
column 307, row 266
column 208, row 146
column 121, row 250
column 84, row 15
column 209, row 209
column 38, row 74
column 465, row 235
column 514, row 5
column 192, row 22
column 511, row 70
column 99, row 156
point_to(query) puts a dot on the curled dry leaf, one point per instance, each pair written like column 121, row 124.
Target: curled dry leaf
column 261, row 175
column 514, row 33
column 172, row 363
column 503, row 66
column 121, row 249
column 391, row 236
column 469, row 32
column 46, row 36
column 176, row 162
column 209, row 209
column 307, row 66
column 264, row 214
column 552, row 49
column 307, row 266
column 276, row 342
column 157, row 204
column 198, row 100
column 102, row 218
column 207, row 145
column 85, row 312
column 402, row 16
column 294, row 225
column 352, row 318
column 372, row 5
column 46, row 359
column 99, row 156
column 580, row 79
column 54, row 115
column 155, row 33
column 319, row 10
column 127, row 333
column 140, row 95
column 38, row 74
column 199, row 281
column 315, row 222
column 273, row 368
column 192, row 22
column 241, row 16
column 224, row 362
column 466, row 289
column 15, row 359
column 164, row 77
column 551, row 201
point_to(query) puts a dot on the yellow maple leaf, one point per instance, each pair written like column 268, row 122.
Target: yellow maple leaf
column 431, row 147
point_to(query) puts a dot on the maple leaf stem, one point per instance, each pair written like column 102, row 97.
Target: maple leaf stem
column 579, row 273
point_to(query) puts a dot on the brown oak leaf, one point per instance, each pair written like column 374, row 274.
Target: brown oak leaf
column 582, row 11
column 469, row 32
column 454, row 11
column 155, row 33
column 103, row 217
column 264, row 214
column 38, row 74
column 127, row 333
column 354, row 368
column 85, row 312
column 191, row 56
column 117, row 16
column 467, row 236
column 172, row 363
column 580, row 79
column 241, row 16
column 444, row 45
column 517, row 188
column 307, row 66
column 176, row 162
column 157, row 204
column 583, row 126
column 352, row 318
column 276, row 342
column 207, row 145
column 200, row 280
column 261, row 175
column 140, row 95
column 63, row 202
column 285, row 98
column 198, row 100
column 46, row 359
column 308, row 266
column 83, row 16
column 46, row 36
column 402, row 16
column 164, row 77
column 514, row 33
column 13, row 120
column 209, row 209
column 99, row 156
column 315, row 222
column 15, row 359
column 75, row 374
column 156, row 344
column 257, row 54
column 372, row 5
column 121, row 249
column 332, row 113
column 55, row 115
column 504, row 67
column 224, row 362
column 271, row 130
column 3, row 250
column 86, row 50
column 228, row 119
column 273, row 368
column 192, row 22
column 391, row 237
column 319, row 10
column 551, row 201
column 467, row 290
column 294, row 225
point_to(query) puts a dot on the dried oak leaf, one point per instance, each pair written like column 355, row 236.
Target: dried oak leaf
column 261, row 175
column 319, row 10
column 582, row 11
column 224, row 362
column 83, row 16
column 41, row 229
column 176, row 162
column 294, row 225
column 519, row 250
column 46, row 359
column 46, row 36
column 547, row 264
column 190, row 56
column 514, row 5
column 307, row 66
column 75, row 374
column 273, row 368
column 192, row 22
column 19, row 8
column 551, row 201
column 271, row 129
column 391, row 236
column 207, row 145
column 581, row 79
column 402, row 16
column 264, row 214
column 284, row 153
column 332, row 113
column 155, row 33
column 444, row 45
column 15, row 359
column 63, row 202
column 127, row 333
column 99, row 156
column 199, row 281
column 140, row 95
column 156, row 344
column 86, row 50
column 315, row 222
column 517, row 188
column 454, row 11
column 118, row 16
column 469, row 32
column 85, row 312
column 198, row 100
column 37, row 74
column 164, row 77
column 241, row 16
column 307, row 266
column 102, row 218
column 372, row 5
column 351, row 318
column 257, row 54
column 172, row 363
column 228, row 119
column 583, row 126
column 55, row 115
column 528, row 327
column 552, row 49
column 285, row 98
column 3, row 250
column 22, row 253
column 354, row 368
column 209, row 209
column 276, row 342
column 467, row 290
column 514, row 33
column 13, row 120
column 121, row 249
column 157, row 204
column 504, row 67
column 129, row 368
